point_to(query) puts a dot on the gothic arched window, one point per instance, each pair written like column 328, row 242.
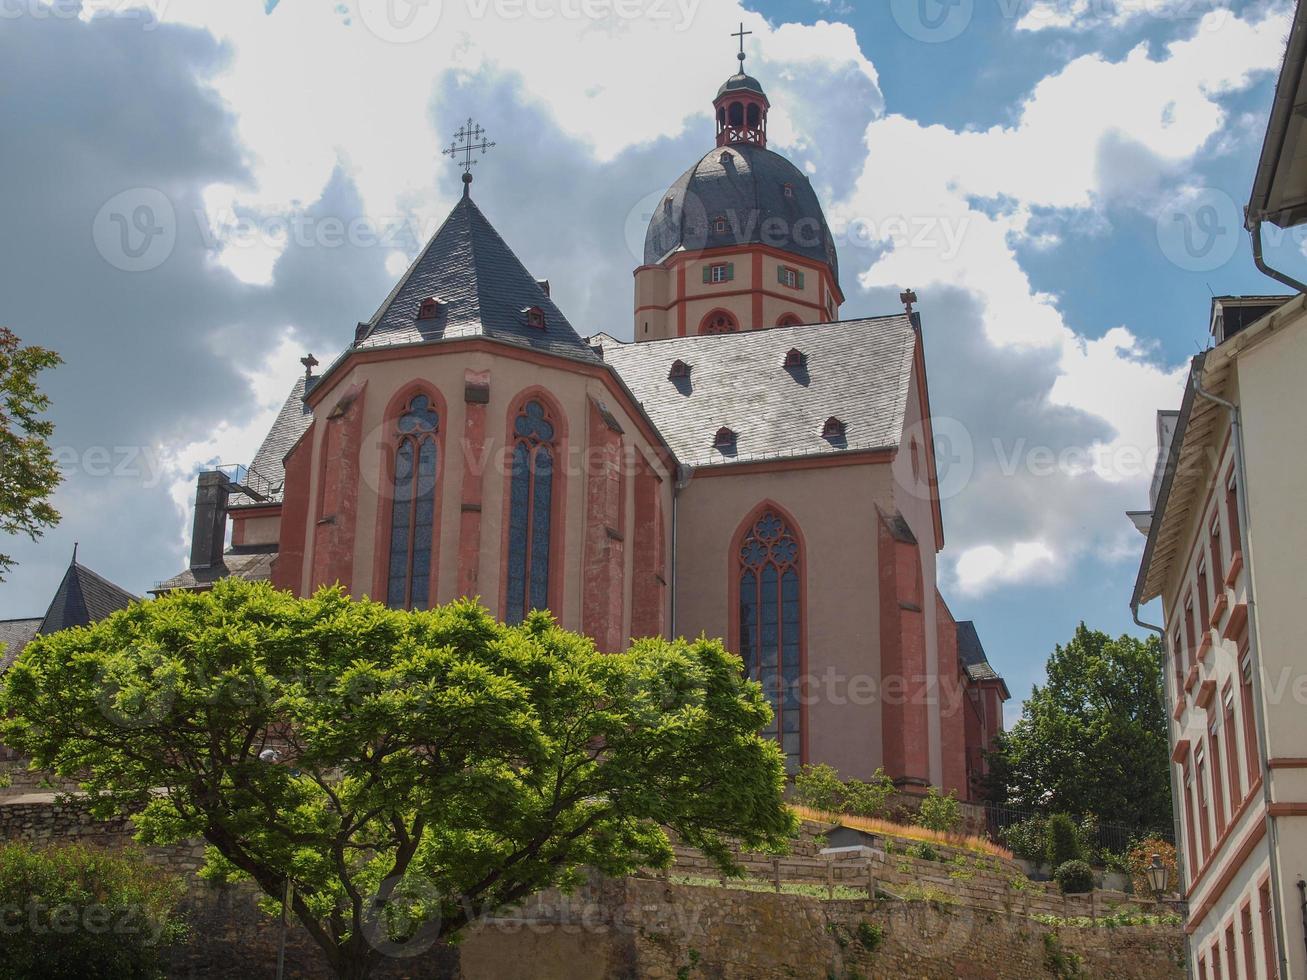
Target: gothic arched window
column 530, row 513
column 413, row 506
column 771, row 623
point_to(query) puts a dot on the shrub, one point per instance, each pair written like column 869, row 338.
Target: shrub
column 1087, row 835
column 1140, row 857
column 1063, row 844
column 1027, row 839
column 1074, row 876
column 870, row 936
column 870, row 799
column 819, row 787
column 77, row 912
column 942, row 813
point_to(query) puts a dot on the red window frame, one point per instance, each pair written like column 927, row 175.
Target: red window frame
column 1200, row 779
column 1190, row 807
column 1249, row 954
column 1268, row 931
column 1218, row 790
column 1189, row 632
column 1214, row 547
column 1204, row 597
column 1252, row 750
column 1232, row 513
column 1231, row 952
column 1231, row 744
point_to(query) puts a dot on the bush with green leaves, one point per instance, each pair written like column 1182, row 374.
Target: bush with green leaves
column 1027, row 839
column 820, row 788
column 938, row 812
column 71, row 912
column 1074, row 877
column 408, row 772
column 871, row 798
column 1063, row 843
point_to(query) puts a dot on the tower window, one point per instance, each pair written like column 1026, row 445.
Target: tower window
column 719, row 321
column 429, row 308
column 721, row 272
column 679, row 370
column 530, row 515
column 795, row 358
column 724, row 439
column 788, row 320
column 413, row 506
column 667, row 206
column 719, row 225
column 786, row 276
column 787, row 190
column 535, row 317
column 833, row 429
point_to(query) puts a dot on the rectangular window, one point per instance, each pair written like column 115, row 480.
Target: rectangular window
column 721, row 272
column 1249, row 955
column 1231, row 745
column 1232, row 955
column 1202, row 968
column 1204, row 816
column 1189, row 630
column 1190, row 805
column 1268, row 931
column 1216, row 960
column 1177, row 656
column 1232, row 514
column 1214, row 546
column 1251, row 748
column 1204, row 603
column 1218, row 790
column 786, row 276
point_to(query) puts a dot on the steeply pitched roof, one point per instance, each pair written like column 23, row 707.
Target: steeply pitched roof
column 83, row 598
column 292, row 422
column 14, row 635
column 972, row 655
column 484, row 291
column 858, row 371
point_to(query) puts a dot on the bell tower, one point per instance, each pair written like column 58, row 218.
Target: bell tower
column 741, row 107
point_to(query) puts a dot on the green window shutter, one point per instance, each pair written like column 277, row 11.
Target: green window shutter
column 707, row 273
column 800, row 279
column 730, row 271
column 780, row 274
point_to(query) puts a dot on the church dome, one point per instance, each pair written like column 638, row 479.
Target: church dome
column 739, row 195
column 740, row 82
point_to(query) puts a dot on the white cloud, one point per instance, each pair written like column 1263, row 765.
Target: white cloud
column 984, row 568
column 1081, row 15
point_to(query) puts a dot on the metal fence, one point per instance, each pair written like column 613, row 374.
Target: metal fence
column 1112, row 837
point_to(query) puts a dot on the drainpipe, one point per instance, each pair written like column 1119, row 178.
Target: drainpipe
column 1255, row 230
column 1176, row 788
column 1302, row 896
column 1254, row 651
column 680, row 480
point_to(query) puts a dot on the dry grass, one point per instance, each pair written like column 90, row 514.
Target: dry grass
column 889, row 828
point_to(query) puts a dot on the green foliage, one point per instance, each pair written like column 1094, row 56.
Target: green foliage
column 1074, row 877
column 1063, row 843
column 922, row 851
column 1139, row 857
column 1063, row 965
column 869, row 799
column 75, row 912
column 942, row 813
column 871, row 936
column 819, row 787
column 1093, row 738
column 431, row 767
column 1027, row 839
column 28, row 472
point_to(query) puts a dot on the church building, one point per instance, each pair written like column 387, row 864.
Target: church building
column 748, row 467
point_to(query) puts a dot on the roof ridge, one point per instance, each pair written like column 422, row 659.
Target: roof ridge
column 412, row 267
column 761, row 330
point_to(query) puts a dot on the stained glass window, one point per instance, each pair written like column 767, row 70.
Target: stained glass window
column 413, row 507
column 771, row 624
column 530, row 511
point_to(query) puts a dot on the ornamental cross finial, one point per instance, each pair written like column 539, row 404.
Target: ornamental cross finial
column 741, row 34
column 469, row 139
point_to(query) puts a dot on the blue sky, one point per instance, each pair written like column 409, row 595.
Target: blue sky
column 1060, row 181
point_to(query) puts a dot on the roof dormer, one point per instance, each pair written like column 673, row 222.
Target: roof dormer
column 429, row 308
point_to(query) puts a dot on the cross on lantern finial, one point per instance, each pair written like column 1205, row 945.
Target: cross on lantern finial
column 469, row 138
column 741, row 34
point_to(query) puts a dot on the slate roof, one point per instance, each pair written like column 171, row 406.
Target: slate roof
column 746, row 185
column 484, row 290
column 855, row 370
column 14, row 635
column 292, row 422
column 252, row 566
column 972, row 654
column 741, row 82
column 83, row 598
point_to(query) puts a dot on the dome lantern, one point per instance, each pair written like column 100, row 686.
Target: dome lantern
column 741, row 106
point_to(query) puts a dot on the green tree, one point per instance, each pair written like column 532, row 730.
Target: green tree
column 1093, row 738
column 28, row 474
column 1062, row 844
column 431, row 767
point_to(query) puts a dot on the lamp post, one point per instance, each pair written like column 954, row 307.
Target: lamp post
column 1157, row 877
column 272, row 757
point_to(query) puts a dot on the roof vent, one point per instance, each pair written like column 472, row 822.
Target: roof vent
column 725, row 439
column 795, row 358
column 429, row 308
column 679, row 370
column 535, row 317
column 833, row 429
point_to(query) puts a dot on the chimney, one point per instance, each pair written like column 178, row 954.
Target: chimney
column 209, row 533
